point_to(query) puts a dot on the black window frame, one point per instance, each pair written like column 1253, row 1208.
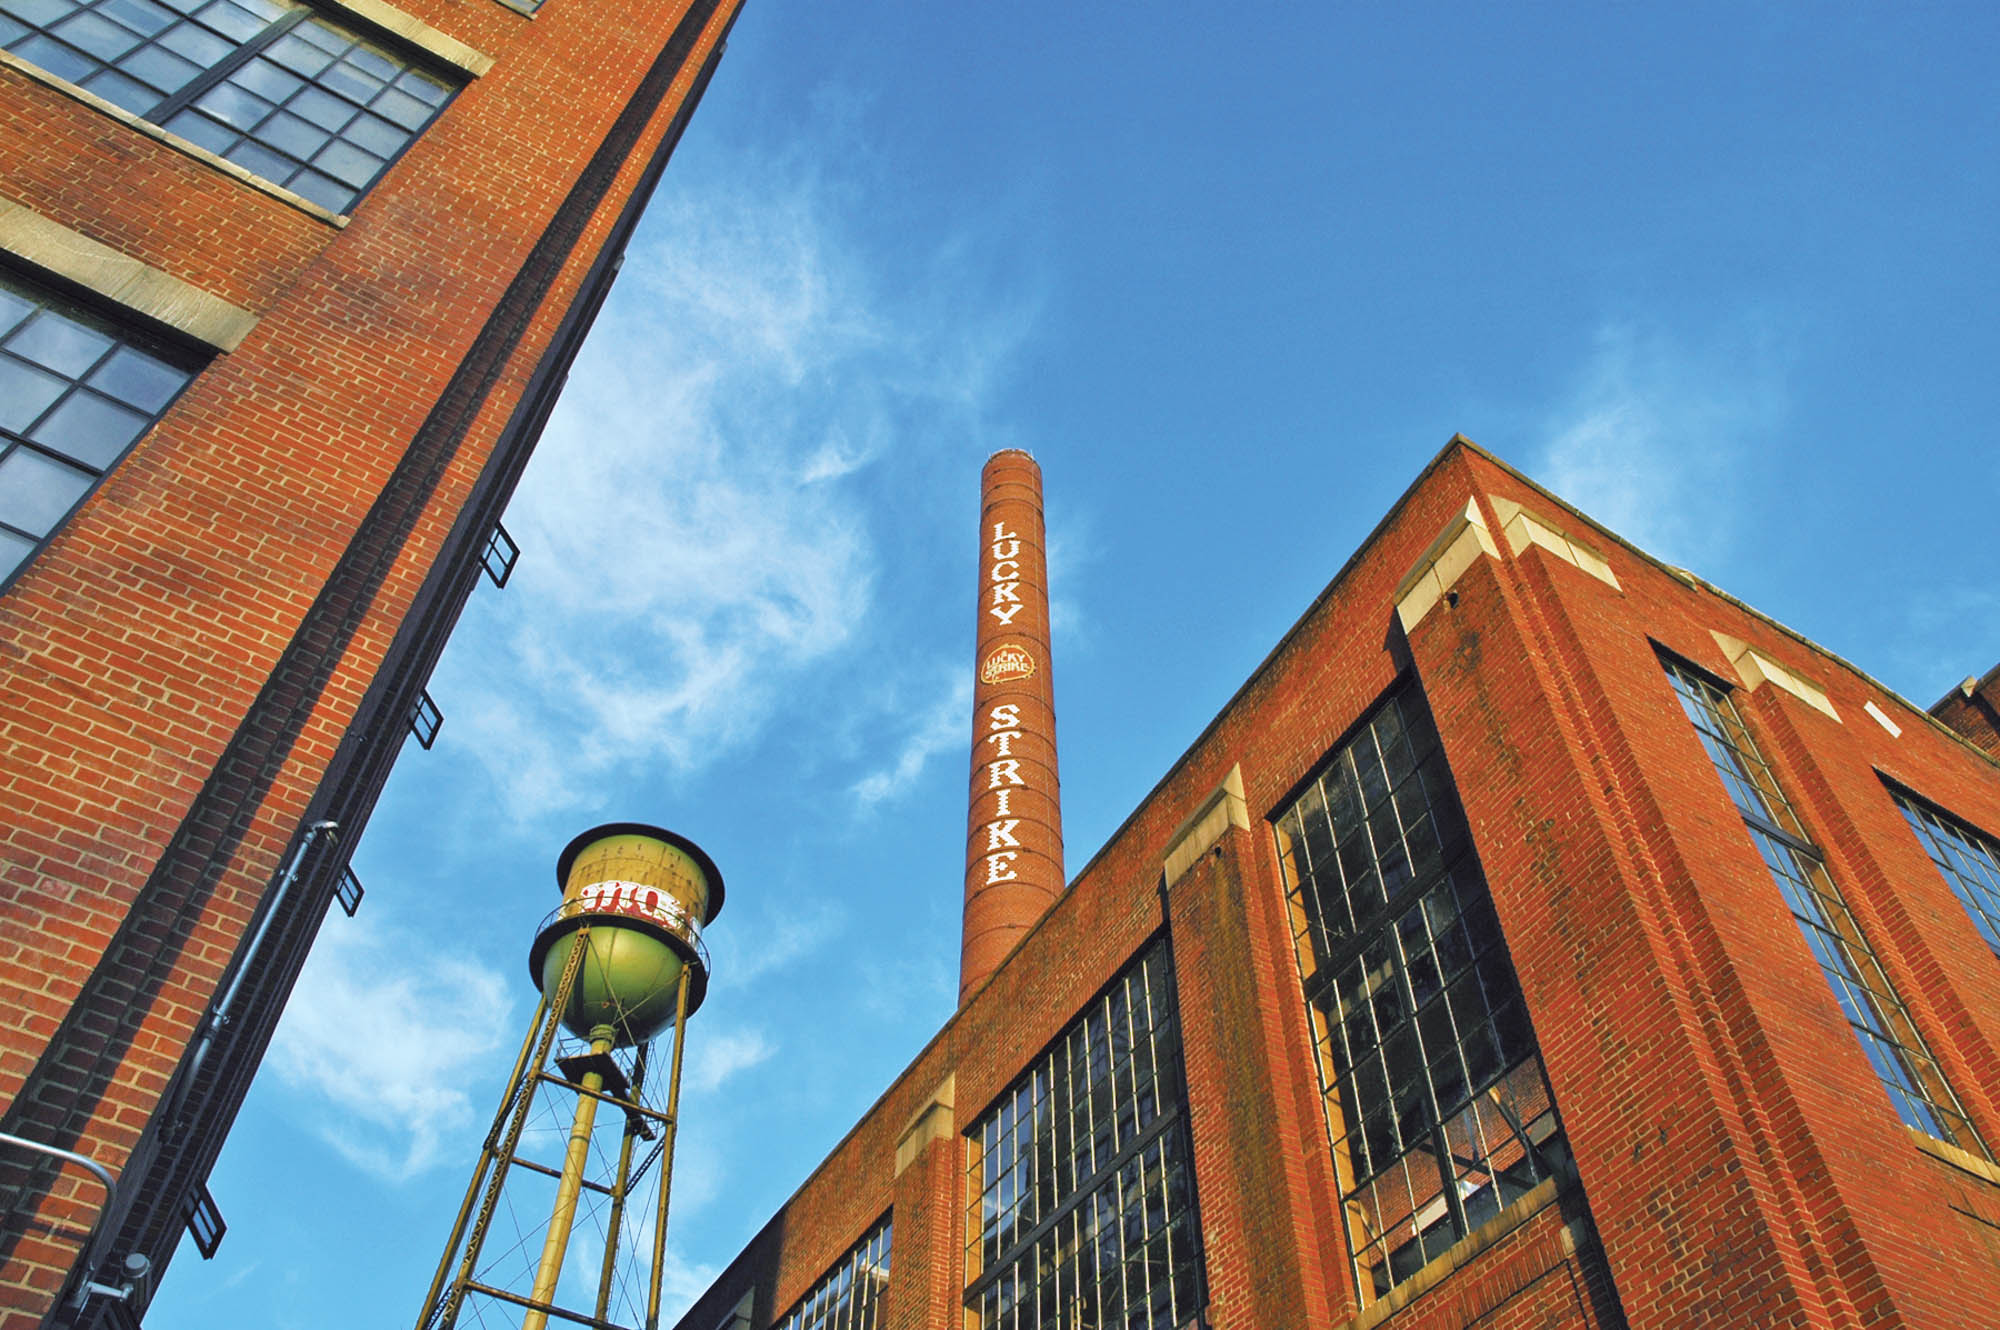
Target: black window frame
column 834, row 1302
column 1980, row 899
column 1894, row 1046
column 244, row 54
column 1436, row 923
column 126, row 329
column 1143, row 1151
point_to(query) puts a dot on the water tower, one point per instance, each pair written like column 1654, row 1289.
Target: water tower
column 619, row 963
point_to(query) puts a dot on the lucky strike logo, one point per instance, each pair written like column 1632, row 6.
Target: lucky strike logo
column 1006, row 664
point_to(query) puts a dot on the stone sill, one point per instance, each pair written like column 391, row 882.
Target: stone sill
column 1963, row 1160
column 152, row 131
column 1466, row 1250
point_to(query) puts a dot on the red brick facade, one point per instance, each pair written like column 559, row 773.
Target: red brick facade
column 1737, row 1161
column 221, row 644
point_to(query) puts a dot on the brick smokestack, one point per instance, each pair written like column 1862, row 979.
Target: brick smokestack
column 1013, row 844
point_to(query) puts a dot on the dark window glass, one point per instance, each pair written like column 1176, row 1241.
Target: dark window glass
column 75, row 391
column 268, row 84
column 1436, row 1104
column 849, row 1296
column 1902, row 1061
column 1080, row 1185
column 1969, row 860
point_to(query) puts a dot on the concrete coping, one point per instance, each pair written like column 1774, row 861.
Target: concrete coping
column 1525, row 529
column 1456, row 549
column 1757, row 669
column 1222, row 809
column 121, row 279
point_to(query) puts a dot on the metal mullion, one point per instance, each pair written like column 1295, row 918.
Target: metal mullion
column 215, row 74
column 1009, row 1255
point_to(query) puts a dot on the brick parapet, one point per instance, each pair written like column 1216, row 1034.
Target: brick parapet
column 1264, row 1178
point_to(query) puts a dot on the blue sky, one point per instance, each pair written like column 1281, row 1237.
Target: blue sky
column 1722, row 275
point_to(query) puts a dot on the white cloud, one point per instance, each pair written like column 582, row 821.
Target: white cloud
column 942, row 727
column 1655, row 437
column 383, row 1029
column 695, row 545
column 775, row 939
column 718, row 1055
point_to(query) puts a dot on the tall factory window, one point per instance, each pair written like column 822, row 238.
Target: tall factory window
column 1969, row 860
column 1081, row 1196
column 75, row 391
column 1436, row 1104
column 268, row 84
column 849, row 1296
column 1902, row 1062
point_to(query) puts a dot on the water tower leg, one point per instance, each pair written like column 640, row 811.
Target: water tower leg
column 486, row 1156
column 667, row 1152
column 563, row 1217
column 618, row 1187
column 554, row 1004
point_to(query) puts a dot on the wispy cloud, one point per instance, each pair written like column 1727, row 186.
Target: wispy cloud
column 380, row 1034
column 1654, row 437
column 696, row 538
column 1949, row 632
column 721, row 1054
column 775, row 939
column 942, row 727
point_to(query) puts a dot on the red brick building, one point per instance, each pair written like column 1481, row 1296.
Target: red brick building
column 1540, row 937
column 287, row 291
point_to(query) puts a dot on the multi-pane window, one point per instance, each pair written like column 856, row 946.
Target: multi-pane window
column 1969, row 860
column 269, row 84
column 1895, row 1048
column 849, row 1296
column 1436, row 1104
column 75, row 391
column 1081, row 1195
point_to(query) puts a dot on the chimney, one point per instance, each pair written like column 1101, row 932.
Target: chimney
column 1013, row 845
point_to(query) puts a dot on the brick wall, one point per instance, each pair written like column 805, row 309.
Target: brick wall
column 1737, row 1164
column 180, row 664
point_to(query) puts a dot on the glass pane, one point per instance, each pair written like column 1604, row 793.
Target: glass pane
column 198, row 46
column 349, row 164
column 38, row 13
column 139, row 379
column 199, row 129
column 13, row 308
column 323, row 190
column 14, row 551
column 92, row 429
column 267, row 80
column 160, row 69
column 97, row 35
column 234, row 106
column 36, row 491
column 127, row 93
column 26, row 392
column 293, row 136
column 323, row 109
column 260, row 160
column 141, row 16
column 58, row 59
column 61, row 345
column 232, row 20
